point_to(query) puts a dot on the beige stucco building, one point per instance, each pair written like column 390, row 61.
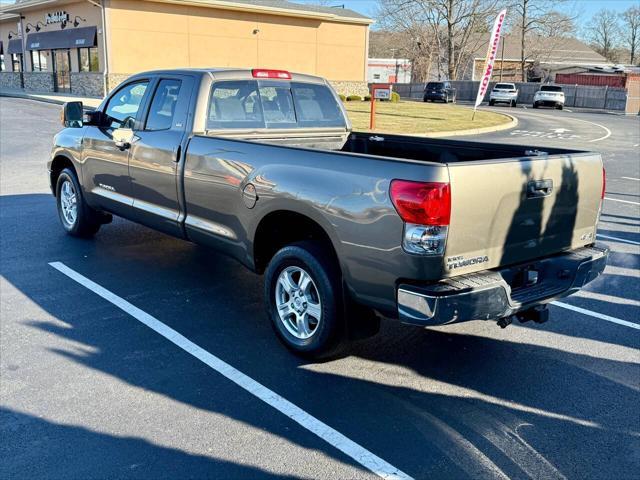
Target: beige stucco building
column 89, row 46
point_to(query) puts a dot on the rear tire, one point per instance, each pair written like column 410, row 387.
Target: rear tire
column 514, row 103
column 491, row 103
column 76, row 217
column 535, row 105
column 303, row 294
column 559, row 106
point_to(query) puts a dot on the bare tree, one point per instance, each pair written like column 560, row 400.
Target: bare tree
column 602, row 31
column 451, row 26
column 535, row 19
column 631, row 31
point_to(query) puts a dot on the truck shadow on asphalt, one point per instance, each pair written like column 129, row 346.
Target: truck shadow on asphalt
column 476, row 406
column 99, row 455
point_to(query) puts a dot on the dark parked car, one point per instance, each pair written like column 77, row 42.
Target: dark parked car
column 442, row 91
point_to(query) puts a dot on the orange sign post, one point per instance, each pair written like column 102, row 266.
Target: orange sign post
column 379, row 91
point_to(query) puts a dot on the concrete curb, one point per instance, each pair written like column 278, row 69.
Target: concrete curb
column 476, row 131
column 54, row 101
column 470, row 131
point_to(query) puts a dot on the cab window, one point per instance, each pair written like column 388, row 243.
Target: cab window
column 235, row 104
column 123, row 107
column 163, row 105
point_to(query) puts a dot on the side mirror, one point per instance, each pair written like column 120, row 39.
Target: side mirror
column 72, row 115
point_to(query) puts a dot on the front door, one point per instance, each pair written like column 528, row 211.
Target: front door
column 106, row 149
column 155, row 156
column 62, row 69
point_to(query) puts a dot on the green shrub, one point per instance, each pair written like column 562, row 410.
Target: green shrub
column 354, row 98
column 342, row 97
column 395, row 97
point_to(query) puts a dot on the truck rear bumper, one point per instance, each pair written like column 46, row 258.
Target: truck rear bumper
column 495, row 294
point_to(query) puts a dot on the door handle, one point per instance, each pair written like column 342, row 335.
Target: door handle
column 539, row 188
column 123, row 144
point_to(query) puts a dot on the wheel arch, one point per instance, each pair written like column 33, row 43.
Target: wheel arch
column 59, row 163
column 279, row 228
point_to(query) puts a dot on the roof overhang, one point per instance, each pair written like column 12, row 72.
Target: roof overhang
column 219, row 4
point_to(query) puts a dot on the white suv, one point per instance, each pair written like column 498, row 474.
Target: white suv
column 549, row 95
column 504, row 93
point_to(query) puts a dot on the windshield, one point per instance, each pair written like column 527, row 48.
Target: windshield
column 435, row 86
column 550, row 88
column 504, row 86
column 272, row 104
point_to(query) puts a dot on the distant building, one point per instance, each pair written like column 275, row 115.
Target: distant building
column 89, row 47
column 549, row 56
column 389, row 70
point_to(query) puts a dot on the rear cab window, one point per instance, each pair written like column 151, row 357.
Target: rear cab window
column 435, row 86
column 272, row 104
column 550, row 88
column 504, row 86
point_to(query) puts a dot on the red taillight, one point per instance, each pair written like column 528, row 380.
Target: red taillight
column 262, row 73
column 604, row 183
column 422, row 203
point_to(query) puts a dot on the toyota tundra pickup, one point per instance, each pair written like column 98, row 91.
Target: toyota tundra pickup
column 345, row 226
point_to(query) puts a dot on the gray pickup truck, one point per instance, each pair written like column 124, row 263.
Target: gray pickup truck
column 346, row 226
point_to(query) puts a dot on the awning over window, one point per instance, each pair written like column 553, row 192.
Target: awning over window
column 72, row 38
column 15, row 46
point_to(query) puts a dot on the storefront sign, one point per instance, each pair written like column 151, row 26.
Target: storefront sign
column 56, row 17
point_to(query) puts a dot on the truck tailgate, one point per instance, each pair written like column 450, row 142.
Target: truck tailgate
column 515, row 210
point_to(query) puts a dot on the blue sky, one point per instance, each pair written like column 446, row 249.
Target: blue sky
column 586, row 8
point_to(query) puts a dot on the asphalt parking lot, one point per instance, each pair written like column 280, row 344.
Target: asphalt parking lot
column 88, row 390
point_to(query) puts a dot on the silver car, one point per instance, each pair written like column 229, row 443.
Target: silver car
column 504, row 93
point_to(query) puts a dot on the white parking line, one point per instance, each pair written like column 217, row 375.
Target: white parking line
column 631, row 178
column 621, row 201
column 360, row 454
column 617, row 239
column 601, row 316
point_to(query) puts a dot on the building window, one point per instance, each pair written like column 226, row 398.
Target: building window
column 16, row 62
column 38, row 61
column 376, row 76
column 88, row 59
column 2, row 67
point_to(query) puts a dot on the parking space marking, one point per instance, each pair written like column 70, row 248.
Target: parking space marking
column 334, row 438
column 631, row 178
column 601, row 316
column 617, row 239
column 621, row 201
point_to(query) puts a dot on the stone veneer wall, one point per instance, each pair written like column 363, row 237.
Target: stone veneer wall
column 87, row 84
column 343, row 87
column 11, row 80
column 38, row 82
column 115, row 79
column 350, row 88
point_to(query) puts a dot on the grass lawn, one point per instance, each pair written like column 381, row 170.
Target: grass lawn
column 420, row 118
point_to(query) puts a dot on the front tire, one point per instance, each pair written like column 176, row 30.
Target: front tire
column 559, row 106
column 303, row 294
column 535, row 105
column 76, row 217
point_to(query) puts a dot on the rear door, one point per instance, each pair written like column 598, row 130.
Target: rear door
column 157, row 151
column 513, row 211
